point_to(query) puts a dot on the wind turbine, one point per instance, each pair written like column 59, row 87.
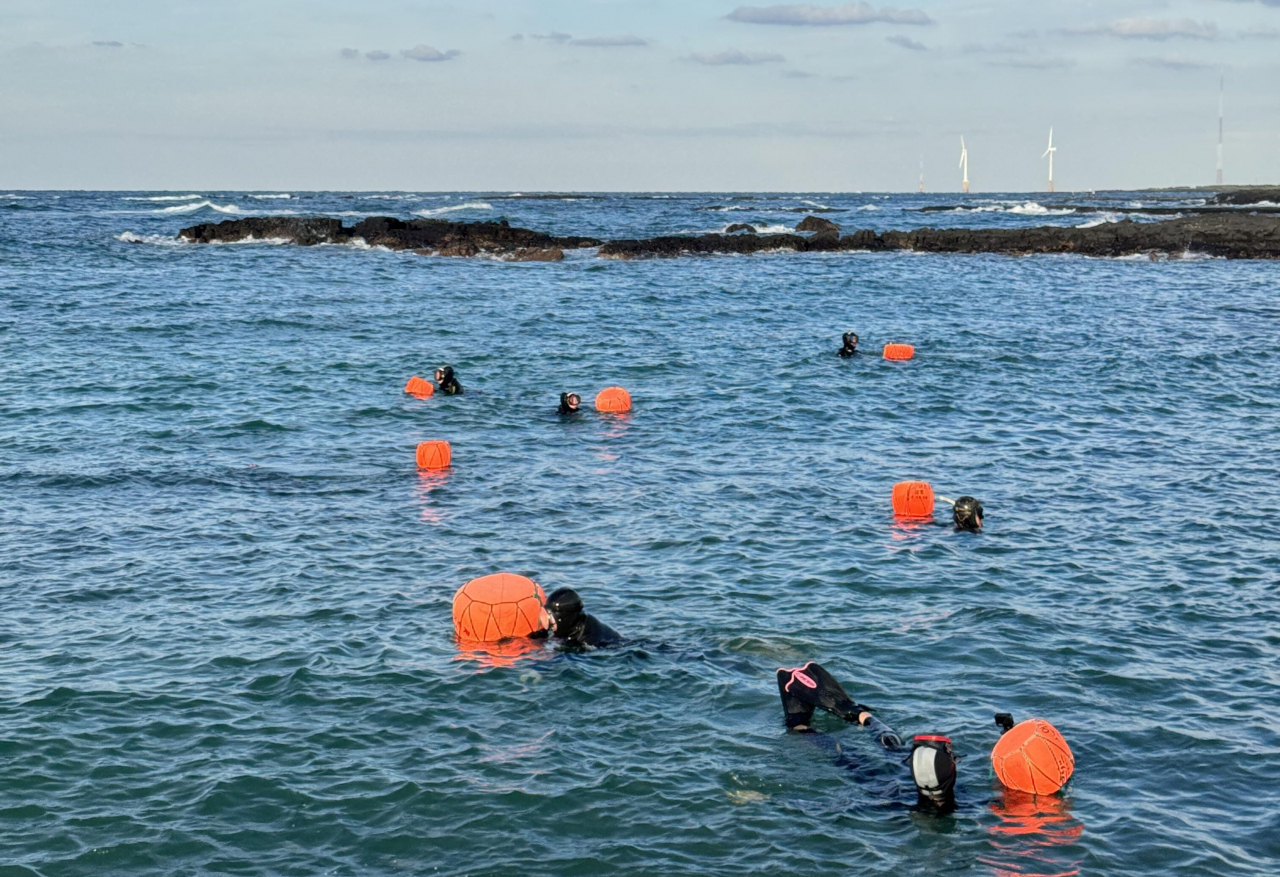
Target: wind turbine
column 922, row 175
column 1222, row 88
column 1049, row 153
column 964, row 163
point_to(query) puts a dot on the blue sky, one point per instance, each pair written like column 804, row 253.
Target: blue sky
column 633, row 94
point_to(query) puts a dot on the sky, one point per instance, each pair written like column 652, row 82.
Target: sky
column 634, row 95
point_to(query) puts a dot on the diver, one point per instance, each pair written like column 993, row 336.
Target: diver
column 850, row 344
column 931, row 758
column 569, row 403
column 575, row 627
column 966, row 512
column 448, row 382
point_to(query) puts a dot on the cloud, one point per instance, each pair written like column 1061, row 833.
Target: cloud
column 1261, row 33
column 517, row 37
column 423, row 52
column 351, row 53
column 1150, row 29
column 555, row 36
column 807, row 15
column 907, row 43
column 735, row 57
column 377, row 55
column 1035, row 63
column 610, row 42
column 109, row 44
column 991, row 49
column 1173, row 63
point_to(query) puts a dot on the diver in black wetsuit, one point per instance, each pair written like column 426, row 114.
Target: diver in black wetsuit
column 569, row 403
column 967, row 514
column 575, row 627
column 448, row 383
column 932, row 761
column 850, row 344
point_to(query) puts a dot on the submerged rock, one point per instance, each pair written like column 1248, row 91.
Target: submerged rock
column 740, row 226
column 817, row 223
column 536, row 254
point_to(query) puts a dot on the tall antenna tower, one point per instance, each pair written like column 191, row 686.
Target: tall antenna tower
column 1049, row 152
column 964, row 163
column 1222, row 88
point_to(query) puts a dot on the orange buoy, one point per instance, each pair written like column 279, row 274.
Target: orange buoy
column 899, row 351
column 434, row 454
column 613, row 400
column 420, row 387
column 498, row 606
column 913, row 499
column 1033, row 757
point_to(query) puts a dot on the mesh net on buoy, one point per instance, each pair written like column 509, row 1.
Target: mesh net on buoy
column 499, row 606
column 613, row 400
column 899, row 351
column 1033, row 757
column 912, row 499
column 434, row 454
column 420, row 387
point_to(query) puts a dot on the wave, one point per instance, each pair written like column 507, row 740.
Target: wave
column 13, row 197
column 362, row 244
column 162, row 197
column 867, row 207
column 763, row 229
column 470, row 205
column 159, row 240
column 284, row 197
column 200, row 205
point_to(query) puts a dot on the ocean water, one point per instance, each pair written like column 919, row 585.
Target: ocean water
column 225, row 638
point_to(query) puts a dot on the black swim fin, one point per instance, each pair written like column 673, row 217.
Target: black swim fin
column 812, row 686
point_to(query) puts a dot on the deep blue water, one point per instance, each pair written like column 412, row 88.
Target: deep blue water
column 225, row 643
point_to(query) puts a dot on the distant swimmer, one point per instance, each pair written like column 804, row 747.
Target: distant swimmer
column 850, row 344
column 448, row 383
column 967, row 514
column 931, row 760
column 575, row 627
column 569, row 403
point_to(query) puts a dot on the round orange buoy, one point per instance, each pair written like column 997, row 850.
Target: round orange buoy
column 899, row 351
column 499, row 606
column 435, row 454
column 913, row 499
column 1032, row 757
column 420, row 387
column 613, row 400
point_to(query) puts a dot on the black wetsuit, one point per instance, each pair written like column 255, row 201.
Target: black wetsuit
column 850, row 348
column 575, row 627
column 448, row 383
column 564, row 406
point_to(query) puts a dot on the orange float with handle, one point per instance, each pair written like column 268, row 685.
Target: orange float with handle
column 613, row 400
column 913, row 499
column 434, row 454
column 419, row 387
column 497, row 607
column 1032, row 757
column 899, row 352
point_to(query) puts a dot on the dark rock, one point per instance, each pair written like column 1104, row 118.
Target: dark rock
column 817, row 223
column 535, row 254
column 1251, row 195
column 306, row 232
column 740, row 226
column 825, row 240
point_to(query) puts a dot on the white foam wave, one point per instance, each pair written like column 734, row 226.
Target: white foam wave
column 816, row 204
column 1102, row 219
column 470, row 205
column 281, row 197
column 158, row 240
column 13, row 197
column 866, row 207
column 201, row 205
column 163, row 198
column 362, row 244
column 1031, row 208
column 269, row 242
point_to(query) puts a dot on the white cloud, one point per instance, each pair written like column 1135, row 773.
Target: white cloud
column 109, row 44
column 610, row 42
column 906, row 43
column 807, row 15
column 1175, row 62
column 555, row 36
column 423, row 52
column 1150, row 29
column 377, row 55
column 735, row 57
column 351, row 53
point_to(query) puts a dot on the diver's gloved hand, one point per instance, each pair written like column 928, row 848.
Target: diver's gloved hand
column 813, row 686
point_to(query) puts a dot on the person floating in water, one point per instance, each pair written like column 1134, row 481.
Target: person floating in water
column 575, row 627
column 931, row 759
column 448, row 382
column 967, row 514
column 850, row 344
column 569, row 403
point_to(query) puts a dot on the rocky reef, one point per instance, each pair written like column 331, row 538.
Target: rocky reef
column 1233, row 235
column 425, row 236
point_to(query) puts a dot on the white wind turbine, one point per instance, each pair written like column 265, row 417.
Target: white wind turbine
column 964, row 163
column 1049, row 153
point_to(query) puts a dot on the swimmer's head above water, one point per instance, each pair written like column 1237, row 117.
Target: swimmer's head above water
column 569, row 403
column 850, row 344
column 967, row 514
column 933, row 768
column 565, row 608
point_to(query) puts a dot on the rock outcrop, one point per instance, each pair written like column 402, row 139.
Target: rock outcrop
column 817, row 223
column 1249, row 195
column 426, row 236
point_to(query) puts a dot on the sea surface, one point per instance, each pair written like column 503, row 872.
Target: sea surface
column 225, row 635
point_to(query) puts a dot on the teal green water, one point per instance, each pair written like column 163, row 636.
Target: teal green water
column 225, row 643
